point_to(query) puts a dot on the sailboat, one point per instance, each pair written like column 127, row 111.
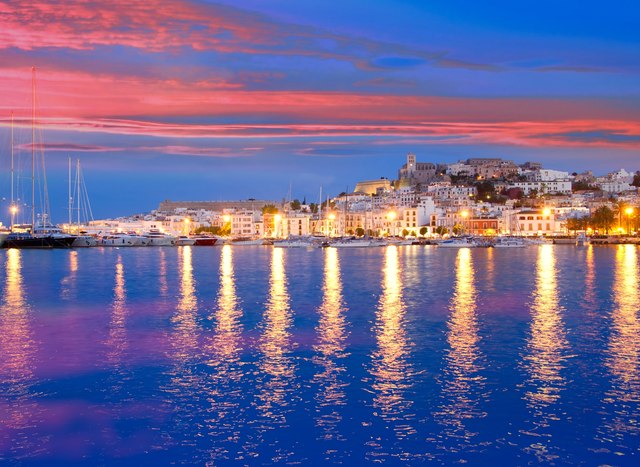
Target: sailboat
column 79, row 202
column 44, row 235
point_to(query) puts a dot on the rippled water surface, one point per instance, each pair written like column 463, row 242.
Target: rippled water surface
column 256, row 355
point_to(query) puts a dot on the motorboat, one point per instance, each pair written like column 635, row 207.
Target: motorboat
column 291, row 243
column 509, row 242
column 84, row 241
column 158, row 238
column 353, row 243
column 581, row 239
column 204, row 240
column 183, row 240
column 458, row 242
column 119, row 240
column 242, row 241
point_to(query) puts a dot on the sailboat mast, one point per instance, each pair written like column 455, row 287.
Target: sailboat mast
column 69, row 202
column 33, row 148
column 12, row 208
column 78, row 190
column 320, row 210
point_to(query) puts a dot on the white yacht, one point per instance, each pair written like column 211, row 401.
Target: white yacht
column 354, row 243
column 118, row 240
column 183, row 240
column 158, row 238
column 84, row 241
column 458, row 242
column 509, row 242
column 290, row 243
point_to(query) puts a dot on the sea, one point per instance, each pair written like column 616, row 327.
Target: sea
column 254, row 355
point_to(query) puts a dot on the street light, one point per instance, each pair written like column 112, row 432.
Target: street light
column 391, row 215
column 276, row 225
column 464, row 215
column 546, row 212
column 187, row 221
column 629, row 212
column 331, row 217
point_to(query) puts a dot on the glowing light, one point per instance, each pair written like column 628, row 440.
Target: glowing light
column 546, row 212
column 392, row 215
column 226, row 218
column 629, row 211
column 332, row 216
column 277, row 218
column 14, row 209
column 464, row 214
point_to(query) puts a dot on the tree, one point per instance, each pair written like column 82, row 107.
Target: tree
column 313, row 207
column 574, row 224
column 360, row 232
column 636, row 179
column 603, row 218
column 295, row 205
column 405, row 232
column 269, row 209
column 458, row 229
column 441, row 230
column 423, row 231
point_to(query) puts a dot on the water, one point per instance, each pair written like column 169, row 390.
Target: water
column 255, row 355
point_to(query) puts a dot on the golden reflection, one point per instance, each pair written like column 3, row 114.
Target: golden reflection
column 17, row 348
column 590, row 276
column 463, row 385
column 623, row 357
column 223, row 392
column 184, row 339
column 162, row 280
column 228, row 329
column 547, row 351
column 69, row 282
column 390, row 367
column 489, row 272
column 117, row 341
column 330, row 350
column 276, row 363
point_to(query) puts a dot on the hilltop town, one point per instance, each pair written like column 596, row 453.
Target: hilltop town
column 477, row 196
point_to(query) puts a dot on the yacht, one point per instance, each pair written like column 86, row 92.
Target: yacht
column 353, row 243
column 458, row 242
column 246, row 241
column 158, row 238
column 183, row 240
column 119, row 240
column 509, row 242
column 291, row 243
column 204, row 240
column 84, row 241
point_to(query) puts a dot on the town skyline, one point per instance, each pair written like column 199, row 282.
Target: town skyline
column 215, row 100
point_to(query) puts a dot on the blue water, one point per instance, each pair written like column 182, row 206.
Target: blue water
column 255, row 355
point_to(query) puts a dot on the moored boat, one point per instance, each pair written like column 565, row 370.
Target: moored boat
column 458, row 242
column 158, row 238
column 183, row 240
column 509, row 242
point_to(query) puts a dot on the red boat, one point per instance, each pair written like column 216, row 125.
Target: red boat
column 204, row 240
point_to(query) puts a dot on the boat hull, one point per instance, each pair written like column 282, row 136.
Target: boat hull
column 205, row 241
column 36, row 242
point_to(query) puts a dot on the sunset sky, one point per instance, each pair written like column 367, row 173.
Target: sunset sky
column 238, row 99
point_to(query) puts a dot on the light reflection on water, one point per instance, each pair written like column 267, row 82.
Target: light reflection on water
column 17, row 353
column 223, row 394
column 382, row 361
column 117, row 338
column 275, row 382
column 463, row 385
column 331, row 352
column 546, row 357
column 390, row 362
column 623, row 354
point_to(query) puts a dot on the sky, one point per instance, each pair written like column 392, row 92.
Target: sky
column 204, row 100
